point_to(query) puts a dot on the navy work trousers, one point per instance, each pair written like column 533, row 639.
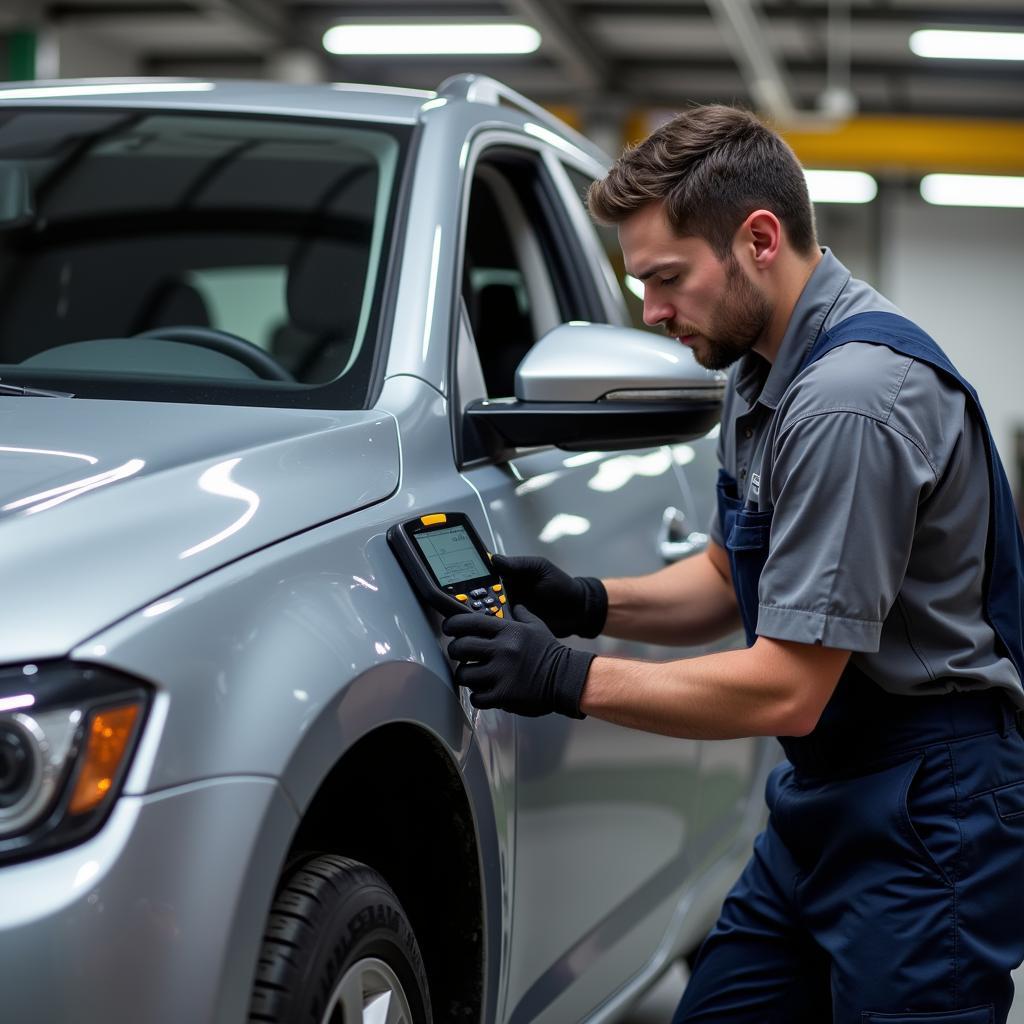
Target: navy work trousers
column 887, row 887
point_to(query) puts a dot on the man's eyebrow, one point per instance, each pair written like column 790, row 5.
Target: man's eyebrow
column 657, row 268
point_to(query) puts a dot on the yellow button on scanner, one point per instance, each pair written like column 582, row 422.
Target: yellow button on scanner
column 437, row 517
column 496, row 588
column 500, row 614
column 503, row 599
column 461, row 597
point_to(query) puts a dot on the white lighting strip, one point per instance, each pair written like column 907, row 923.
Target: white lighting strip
column 431, row 39
column 973, row 190
column 960, row 45
column 840, row 186
column 45, row 91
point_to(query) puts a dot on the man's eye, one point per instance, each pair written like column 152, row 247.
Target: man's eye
column 669, row 280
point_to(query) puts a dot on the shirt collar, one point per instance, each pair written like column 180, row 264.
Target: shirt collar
column 757, row 380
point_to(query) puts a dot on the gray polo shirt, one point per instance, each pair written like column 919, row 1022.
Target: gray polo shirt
column 877, row 479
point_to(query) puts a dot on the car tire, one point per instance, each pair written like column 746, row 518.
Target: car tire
column 338, row 949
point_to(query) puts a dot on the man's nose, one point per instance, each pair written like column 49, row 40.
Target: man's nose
column 655, row 312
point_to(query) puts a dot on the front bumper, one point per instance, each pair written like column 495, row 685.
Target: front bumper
column 157, row 919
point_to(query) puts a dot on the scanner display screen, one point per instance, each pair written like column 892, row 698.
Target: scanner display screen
column 451, row 555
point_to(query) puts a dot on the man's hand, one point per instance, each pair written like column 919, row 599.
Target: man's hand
column 516, row 664
column 569, row 605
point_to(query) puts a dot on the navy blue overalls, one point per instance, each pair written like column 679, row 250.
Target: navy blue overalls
column 888, row 884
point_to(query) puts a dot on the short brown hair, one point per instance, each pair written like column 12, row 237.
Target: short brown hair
column 713, row 166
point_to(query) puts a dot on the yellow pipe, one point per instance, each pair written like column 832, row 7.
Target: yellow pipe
column 909, row 145
column 637, row 127
column 914, row 145
column 569, row 114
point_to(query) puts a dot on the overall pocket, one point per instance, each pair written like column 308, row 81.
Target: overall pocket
column 927, row 813
column 747, row 545
column 975, row 1015
column 1010, row 802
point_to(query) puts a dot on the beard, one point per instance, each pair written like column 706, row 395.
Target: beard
column 738, row 320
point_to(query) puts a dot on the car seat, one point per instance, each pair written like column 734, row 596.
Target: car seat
column 324, row 295
column 504, row 335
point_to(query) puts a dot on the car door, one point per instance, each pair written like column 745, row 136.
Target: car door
column 604, row 814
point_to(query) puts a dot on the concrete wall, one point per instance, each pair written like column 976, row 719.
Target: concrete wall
column 82, row 54
column 958, row 272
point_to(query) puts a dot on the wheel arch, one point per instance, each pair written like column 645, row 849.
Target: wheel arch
column 396, row 801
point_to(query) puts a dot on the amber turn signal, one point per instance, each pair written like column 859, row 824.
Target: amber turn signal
column 110, row 732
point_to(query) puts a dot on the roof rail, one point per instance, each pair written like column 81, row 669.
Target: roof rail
column 483, row 89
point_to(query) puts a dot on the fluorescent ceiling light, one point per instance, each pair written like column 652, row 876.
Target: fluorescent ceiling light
column 841, row 186
column 959, row 45
column 972, row 190
column 45, row 91
column 431, row 39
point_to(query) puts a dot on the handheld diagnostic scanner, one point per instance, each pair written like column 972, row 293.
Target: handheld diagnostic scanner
column 447, row 564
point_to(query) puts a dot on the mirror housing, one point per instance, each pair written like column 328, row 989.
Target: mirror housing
column 600, row 387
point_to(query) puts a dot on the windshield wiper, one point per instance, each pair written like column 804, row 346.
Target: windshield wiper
column 18, row 389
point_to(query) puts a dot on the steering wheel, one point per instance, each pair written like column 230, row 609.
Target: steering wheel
column 244, row 352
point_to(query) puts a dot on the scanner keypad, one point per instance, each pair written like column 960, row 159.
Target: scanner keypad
column 488, row 600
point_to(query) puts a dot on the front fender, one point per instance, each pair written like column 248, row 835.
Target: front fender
column 277, row 665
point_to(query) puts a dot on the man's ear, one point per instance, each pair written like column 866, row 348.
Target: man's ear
column 760, row 237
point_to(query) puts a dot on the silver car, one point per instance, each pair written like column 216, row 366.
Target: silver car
column 244, row 329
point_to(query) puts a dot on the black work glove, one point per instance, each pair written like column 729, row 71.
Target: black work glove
column 567, row 604
column 516, row 664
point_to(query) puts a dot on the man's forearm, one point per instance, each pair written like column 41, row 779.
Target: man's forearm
column 688, row 602
column 771, row 689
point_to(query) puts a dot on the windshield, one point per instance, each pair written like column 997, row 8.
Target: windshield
column 191, row 257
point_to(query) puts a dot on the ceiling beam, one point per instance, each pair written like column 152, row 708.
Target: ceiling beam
column 274, row 20
column 584, row 65
column 970, row 12
column 749, row 42
column 66, row 12
column 267, row 16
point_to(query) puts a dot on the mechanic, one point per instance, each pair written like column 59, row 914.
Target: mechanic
column 867, row 541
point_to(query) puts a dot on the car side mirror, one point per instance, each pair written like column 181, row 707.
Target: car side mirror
column 590, row 386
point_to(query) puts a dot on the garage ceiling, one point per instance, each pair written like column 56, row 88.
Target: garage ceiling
column 597, row 55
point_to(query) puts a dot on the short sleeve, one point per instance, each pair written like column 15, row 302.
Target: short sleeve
column 845, row 489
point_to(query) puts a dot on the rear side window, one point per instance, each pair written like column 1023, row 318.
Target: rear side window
column 631, row 289
column 521, row 274
column 194, row 257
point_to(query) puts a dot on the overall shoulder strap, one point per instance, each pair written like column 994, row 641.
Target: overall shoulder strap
column 1004, row 557
column 893, row 331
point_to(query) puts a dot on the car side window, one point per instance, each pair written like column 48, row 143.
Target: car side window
column 610, row 241
column 516, row 281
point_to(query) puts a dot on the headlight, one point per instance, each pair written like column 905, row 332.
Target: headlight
column 67, row 734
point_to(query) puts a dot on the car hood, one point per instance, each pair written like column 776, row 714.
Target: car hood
column 105, row 506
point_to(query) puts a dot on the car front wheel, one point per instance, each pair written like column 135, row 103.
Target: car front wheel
column 339, row 949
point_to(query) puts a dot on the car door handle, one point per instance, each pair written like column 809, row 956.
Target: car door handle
column 675, row 539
